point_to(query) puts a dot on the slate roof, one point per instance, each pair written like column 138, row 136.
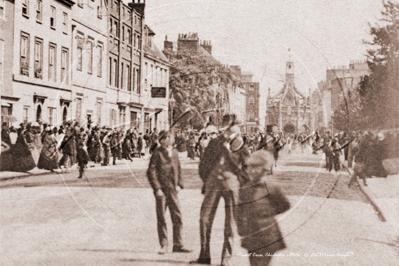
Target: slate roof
column 153, row 51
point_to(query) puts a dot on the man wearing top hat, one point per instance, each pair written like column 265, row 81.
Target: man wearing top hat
column 222, row 173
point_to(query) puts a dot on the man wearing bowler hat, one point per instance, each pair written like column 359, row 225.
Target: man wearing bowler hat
column 222, row 172
column 164, row 175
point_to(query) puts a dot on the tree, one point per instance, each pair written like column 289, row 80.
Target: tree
column 379, row 92
column 375, row 102
column 200, row 82
column 348, row 115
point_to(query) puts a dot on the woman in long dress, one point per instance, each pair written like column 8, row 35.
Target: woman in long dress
column 22, row 157
column 37, row 141
column 48, row 157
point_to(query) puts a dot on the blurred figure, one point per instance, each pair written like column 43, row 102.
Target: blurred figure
column 82, row 157
column 260, row 201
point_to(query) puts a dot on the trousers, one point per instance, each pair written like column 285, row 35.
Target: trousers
column 214, row 190
column 169, row 200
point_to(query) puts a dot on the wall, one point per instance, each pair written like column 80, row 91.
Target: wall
column 26, row 86
column 89, row 27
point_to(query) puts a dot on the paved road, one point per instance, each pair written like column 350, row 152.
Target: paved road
column 108, row 218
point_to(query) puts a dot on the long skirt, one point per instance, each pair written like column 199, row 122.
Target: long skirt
column 48, row 163
column 190, row 152
column 6, row 161
column 22, row 158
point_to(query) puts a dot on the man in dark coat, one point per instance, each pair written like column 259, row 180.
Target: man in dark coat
column 96, row 145
column 115, row 146
column 164, row 175
column 68, row 147
column 222, row 172
column 107, row 147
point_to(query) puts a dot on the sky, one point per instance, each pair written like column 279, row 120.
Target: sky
column 256, row 34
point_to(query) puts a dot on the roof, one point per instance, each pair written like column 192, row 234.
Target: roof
column 203, row 52
column 155, row 53
column 150, row 31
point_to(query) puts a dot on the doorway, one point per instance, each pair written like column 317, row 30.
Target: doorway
column 39, row 113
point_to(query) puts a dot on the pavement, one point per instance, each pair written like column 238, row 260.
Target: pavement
column 383, row 194
column 69, row 225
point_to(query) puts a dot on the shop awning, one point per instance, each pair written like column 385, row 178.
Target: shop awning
column 158, row 110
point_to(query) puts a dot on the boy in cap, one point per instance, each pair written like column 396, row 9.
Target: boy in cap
column 259, row 202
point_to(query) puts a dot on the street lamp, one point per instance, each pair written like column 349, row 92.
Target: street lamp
column 172, row 103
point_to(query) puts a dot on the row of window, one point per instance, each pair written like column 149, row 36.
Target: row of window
column 39, row 14
column 157, row 77
column 126, row 81
column 126, row 33
column 134, row 119
column 85, row 48
column 38, row 59
column 51, row 115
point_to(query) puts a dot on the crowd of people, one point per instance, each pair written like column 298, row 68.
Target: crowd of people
column 232, row 167
column 367, row 150
column 59, row 148
column 229, row 171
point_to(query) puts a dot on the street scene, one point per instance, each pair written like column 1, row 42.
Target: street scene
column 108, row 218
column 176, row 132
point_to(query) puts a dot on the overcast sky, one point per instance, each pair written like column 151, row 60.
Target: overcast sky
column 256, row 34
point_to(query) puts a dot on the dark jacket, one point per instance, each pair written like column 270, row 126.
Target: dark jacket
column 82, row 156
column 164, row 172
column 259, row 203
column 213, row 153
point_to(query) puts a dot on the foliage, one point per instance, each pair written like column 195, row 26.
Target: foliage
column 355, row 120
column 379, row 91
column 377, row 101
column 200, row 82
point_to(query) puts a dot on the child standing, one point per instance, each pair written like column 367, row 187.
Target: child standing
column 82, row 157
column 259, row 201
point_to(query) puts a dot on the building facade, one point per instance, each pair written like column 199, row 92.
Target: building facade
column 125, row 57
column 9, row 102
column 41, row 67
column 156, row 81
column 89, row 62
column 252, row 103
column 290, row 110
column 339, row 82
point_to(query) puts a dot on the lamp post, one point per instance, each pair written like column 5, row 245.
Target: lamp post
column 172, row 103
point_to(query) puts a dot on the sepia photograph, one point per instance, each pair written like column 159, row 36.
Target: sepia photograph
column 199, row 132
